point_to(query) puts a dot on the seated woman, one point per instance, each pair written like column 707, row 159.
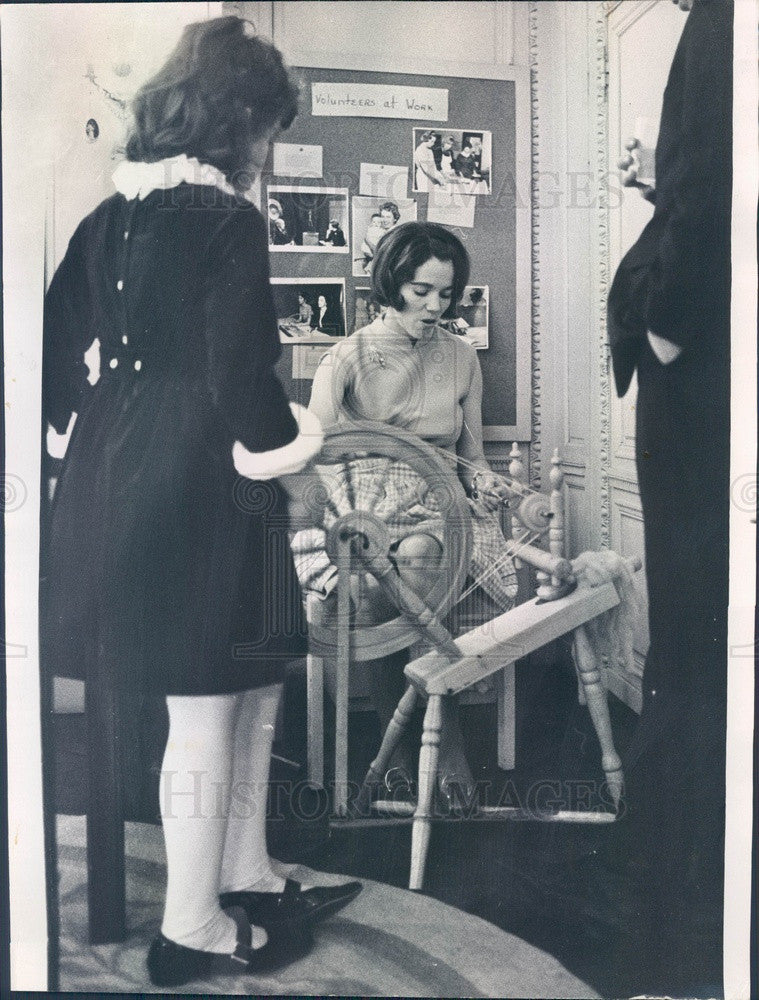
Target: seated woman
column 406, row 370
column 299, row 324
column 334, row 236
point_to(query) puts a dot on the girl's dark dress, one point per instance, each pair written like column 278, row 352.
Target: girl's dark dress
column 158, row 553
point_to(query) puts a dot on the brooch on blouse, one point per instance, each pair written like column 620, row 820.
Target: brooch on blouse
column 378, row 356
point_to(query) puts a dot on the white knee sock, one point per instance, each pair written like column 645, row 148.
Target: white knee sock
column 195, row 792
column 246, row 862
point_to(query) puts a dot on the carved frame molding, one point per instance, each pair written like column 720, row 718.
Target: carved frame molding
column 535, row 401
column 602, row 269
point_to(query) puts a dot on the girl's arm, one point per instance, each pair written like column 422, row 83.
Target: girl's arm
column 470, row 447
column 327, row 390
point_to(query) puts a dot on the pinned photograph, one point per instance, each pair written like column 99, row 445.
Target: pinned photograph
column 309, row 310
column 372, row 218
column 366, row 309
column 453, row 159
column 307, row 219
column 472, row 322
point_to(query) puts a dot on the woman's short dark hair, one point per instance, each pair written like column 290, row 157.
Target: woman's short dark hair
column 220, row 90
column 403, row 250
column 390, row 206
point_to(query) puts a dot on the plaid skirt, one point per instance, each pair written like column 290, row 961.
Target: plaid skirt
column 401, row 498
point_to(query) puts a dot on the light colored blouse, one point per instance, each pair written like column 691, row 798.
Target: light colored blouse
column 426, row 168
column 431, row 386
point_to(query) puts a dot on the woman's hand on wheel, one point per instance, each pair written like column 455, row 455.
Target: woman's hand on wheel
column 489, row 489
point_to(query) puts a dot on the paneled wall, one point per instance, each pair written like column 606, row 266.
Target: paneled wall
column 599, row 71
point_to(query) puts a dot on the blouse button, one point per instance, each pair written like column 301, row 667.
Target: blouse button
column 120, row 284
column 114, row 362
column 125, row 339
column 137, row 365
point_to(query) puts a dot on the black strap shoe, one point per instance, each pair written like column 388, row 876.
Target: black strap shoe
column 172, row 964
column 294, row 905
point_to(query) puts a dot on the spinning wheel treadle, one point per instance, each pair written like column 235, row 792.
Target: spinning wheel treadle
column 350, row 503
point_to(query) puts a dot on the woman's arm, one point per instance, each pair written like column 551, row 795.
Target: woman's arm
column 469, row 445
column 327, row 390
column 481, row 479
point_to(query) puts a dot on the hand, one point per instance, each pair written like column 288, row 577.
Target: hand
column 629, row 165
column 489, row 488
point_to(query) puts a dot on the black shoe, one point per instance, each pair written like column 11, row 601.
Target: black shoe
column 294, row 906
column 172, row 964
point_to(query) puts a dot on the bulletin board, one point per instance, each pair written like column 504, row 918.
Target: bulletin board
column 498, row 243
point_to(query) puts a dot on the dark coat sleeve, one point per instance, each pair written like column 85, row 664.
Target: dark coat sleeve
column 241, row 335
column 674, row 281
column 67, row 334
column 692, row 214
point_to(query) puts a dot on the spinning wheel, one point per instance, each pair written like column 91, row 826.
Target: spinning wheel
column 364, row 514
column 364, row 518
column 360, row 509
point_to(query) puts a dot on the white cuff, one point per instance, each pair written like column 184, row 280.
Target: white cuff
column 665, row 350
column 290, row 457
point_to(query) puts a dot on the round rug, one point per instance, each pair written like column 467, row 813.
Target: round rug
column 387, row 942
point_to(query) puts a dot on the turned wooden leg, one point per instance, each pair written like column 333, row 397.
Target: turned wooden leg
column 506, row 686
column 342, row 670
column 395, row 730
column 315, row 704
column 428, row 761
column 598, row 706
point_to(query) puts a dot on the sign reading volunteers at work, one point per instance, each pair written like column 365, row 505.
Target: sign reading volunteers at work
column 379, row 100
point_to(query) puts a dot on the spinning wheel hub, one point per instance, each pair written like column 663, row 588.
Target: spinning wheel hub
column 363, row 530
column 535, row 512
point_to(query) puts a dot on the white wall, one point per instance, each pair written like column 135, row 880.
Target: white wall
column 96, row 57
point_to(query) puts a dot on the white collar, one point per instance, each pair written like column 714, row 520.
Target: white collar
column 139, row 179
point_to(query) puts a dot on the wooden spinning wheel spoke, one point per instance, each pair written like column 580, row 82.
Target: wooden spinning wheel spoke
column 374, row 489
column 367, row 456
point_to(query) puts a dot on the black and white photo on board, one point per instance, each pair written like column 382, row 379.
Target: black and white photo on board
column 372, row 218
column 366, row 308
column 307, row 219
column 454, row 159
column 309, row 310
column 471, row 322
